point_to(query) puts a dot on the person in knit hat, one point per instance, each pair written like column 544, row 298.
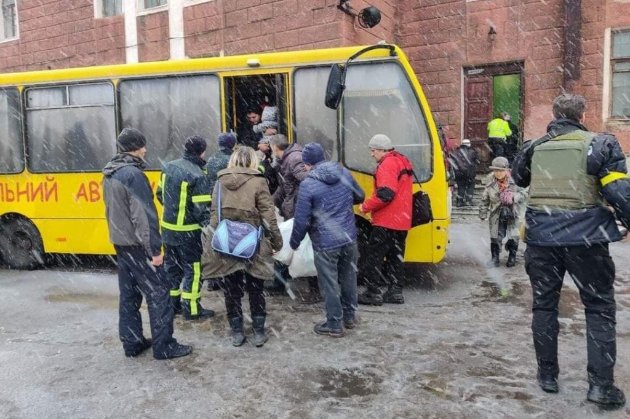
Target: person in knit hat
column 138, row 244
column 185, row 179
column 130, row 139
column 324, row 211
column 390, row 206
column 219, row 160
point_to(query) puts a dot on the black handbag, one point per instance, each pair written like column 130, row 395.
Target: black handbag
column 506, row 214
column 421, row 212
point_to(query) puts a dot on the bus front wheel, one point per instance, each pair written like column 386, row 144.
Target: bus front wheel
column 21, row 244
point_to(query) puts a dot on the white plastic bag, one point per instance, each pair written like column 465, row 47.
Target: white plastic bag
column 285, row 254
column 303, row 261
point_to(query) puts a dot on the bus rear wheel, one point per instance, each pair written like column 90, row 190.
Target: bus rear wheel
column 21, row 244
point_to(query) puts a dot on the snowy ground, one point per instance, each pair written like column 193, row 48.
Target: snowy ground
column 459, row 347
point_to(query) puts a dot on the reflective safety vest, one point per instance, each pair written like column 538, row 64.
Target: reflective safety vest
column 558, row 174
column 182, row 186
column 499, row 128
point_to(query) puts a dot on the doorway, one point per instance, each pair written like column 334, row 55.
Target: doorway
column 243, row 93
column 488, row 91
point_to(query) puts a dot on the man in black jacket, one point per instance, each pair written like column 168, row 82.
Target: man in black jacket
column 184, row 192
column 570, row 171
column 464, row 162
column 134, row 231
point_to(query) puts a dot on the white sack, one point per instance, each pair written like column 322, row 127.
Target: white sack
column 285, row 254
column 303, row 261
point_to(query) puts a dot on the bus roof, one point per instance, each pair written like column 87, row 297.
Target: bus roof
column 192, row 65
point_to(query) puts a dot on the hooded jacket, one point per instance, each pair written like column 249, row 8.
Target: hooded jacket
column 324, row 207
column 184, row 193
column 291, row 173
column 245, row 197
column 131, row 215
column 391, row 201
column 556, row 227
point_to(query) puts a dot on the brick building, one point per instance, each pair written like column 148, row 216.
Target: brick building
column 473, row 57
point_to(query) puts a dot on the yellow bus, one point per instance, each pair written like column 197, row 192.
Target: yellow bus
column 58, row 130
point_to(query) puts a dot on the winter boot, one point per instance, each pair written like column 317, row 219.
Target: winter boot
column 260, row 337
column 511, row 246
column 394, row 295
column 495, row 249
column 606, row 395
column 238, row 337
column 201, row 314
column 371, row 297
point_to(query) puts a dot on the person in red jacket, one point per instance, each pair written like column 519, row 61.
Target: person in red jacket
column 391, row 207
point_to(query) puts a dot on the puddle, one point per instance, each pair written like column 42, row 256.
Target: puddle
column 347, row 382
column 510, row 293
column 95, row 301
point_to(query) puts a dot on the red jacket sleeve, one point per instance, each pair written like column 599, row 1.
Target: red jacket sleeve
column 386, row 177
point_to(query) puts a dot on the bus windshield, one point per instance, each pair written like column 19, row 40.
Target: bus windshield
column 379, row 99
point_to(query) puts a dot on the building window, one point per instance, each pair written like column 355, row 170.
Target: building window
column 8, row 20
column 148, row 4
column 620, row 65
column 111, row 8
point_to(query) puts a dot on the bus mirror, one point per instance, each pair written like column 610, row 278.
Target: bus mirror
column 336, row 86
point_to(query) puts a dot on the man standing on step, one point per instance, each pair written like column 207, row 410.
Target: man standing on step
column 390, row 206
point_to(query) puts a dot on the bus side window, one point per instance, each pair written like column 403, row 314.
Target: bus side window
column 169, row 109
column 314, row 122
column 70, row 128
column 11, row 150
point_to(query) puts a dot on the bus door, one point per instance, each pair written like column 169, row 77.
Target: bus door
column 243, row 93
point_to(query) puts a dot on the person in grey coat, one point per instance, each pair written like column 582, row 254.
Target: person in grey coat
column 135, row 233
column 502, row 199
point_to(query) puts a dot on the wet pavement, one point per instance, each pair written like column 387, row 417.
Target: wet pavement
column 459, row 347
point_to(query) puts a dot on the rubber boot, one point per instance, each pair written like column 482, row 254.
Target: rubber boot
column 238, row 337
column 260, row 337
column 512, row 247
column 495, row 249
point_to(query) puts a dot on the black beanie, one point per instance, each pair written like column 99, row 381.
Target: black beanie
column 130, row 139
column 195, row 145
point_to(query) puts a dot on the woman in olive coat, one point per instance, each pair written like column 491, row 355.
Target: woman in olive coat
column 245, row 198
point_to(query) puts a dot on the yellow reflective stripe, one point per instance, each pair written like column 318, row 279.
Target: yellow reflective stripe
column 195, row 288
column 187, row 295
column 183, row 194
column 611, row 177
column 261, row 168
column 201, row 198
column 185, row 227
column 176, row 293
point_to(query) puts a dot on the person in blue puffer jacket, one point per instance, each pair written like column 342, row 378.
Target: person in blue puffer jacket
column 324, row 211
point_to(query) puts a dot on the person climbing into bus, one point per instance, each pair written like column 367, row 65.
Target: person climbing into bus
column 185, row 194
column 390, row 206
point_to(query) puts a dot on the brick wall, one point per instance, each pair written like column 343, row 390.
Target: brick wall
column 62, row 33
column 153, row 37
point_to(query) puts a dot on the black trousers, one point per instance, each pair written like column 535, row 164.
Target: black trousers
column 497, row 145
column 465, row 190
column 137, row 277
column 593, row 271
column 183, row 267
column 234, row 289
column 383, row 258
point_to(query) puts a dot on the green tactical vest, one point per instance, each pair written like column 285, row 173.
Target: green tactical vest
column 559, row 179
